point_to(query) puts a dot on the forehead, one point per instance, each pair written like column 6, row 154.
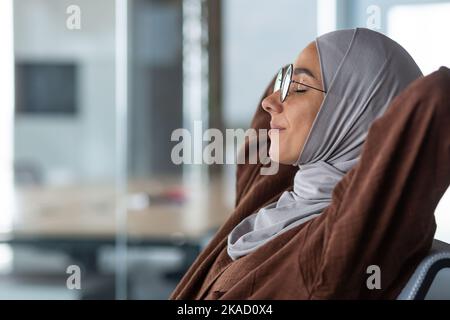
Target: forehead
column 309, row 59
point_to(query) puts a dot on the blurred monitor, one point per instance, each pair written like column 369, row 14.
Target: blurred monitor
column 46, row 88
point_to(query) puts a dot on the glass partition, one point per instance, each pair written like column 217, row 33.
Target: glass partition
column 58, row 235
column 97, row 207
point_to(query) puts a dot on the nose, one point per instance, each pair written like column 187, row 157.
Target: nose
column 272, row 104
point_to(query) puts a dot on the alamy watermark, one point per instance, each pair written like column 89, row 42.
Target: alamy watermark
column 73, row 21
column 374, row 280
column 373, row 17
column 211, row 147
column 73, row 281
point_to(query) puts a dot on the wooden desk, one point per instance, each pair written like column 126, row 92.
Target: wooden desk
column 89, row 212
column 80, row 220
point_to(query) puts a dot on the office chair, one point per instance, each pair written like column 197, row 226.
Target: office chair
column 431, row 279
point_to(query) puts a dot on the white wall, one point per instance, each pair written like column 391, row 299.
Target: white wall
column 260, row 36
column 81, row 147
column 418, row 25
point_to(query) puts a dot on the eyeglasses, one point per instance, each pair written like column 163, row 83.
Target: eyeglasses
column 284, row 82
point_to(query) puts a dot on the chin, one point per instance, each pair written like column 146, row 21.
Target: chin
column 275, row 156
column 284, row 160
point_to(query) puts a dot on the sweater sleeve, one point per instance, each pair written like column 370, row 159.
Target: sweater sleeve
column 382, row 212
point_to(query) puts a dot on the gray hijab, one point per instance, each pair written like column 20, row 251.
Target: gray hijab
column 362, row 71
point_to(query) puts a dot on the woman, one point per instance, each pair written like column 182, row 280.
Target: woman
column 354, row 203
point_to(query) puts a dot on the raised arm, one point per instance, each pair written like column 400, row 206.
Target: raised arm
column 383, row 210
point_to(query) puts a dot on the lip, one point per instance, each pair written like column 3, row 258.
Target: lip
column 276, row 126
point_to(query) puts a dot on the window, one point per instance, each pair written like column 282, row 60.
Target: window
column 422, row 29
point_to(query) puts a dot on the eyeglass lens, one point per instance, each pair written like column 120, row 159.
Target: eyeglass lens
column 278, row 79
column 285, row 83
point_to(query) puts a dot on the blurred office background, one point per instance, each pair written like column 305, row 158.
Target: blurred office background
column 91, row 93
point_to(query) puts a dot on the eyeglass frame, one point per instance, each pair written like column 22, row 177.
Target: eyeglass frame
column 280, row 80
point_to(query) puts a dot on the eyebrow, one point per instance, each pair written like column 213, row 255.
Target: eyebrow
column 305, row 71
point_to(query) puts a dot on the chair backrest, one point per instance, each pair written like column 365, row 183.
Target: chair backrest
column 431, row 280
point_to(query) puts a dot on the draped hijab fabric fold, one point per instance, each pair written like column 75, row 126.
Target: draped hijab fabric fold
column 362, row 71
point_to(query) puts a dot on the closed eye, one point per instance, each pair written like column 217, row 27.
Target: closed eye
column 306, row 85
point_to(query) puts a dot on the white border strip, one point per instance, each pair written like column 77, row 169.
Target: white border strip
column 326, row 16
column 7, row 113
column 121, row 65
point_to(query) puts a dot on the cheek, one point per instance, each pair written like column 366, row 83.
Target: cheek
column 286, row 148
column 293, row 139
